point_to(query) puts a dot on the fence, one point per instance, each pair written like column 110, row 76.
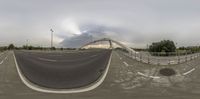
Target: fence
column 158, row 58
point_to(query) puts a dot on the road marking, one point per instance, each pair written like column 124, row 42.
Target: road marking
column 44, row 59
column 125, row 63
column 6, row 58
column 142, row 74
column 189, row 71
column 154, row 77
column 63, row 91
column 172, row 61
column 1, row 62
column 2, row 53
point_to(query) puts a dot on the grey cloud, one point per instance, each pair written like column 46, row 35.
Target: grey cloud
column 135, row 21
column 90, row 32
column 77, row 41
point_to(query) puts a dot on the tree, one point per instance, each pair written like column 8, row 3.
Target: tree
column 24, row 47
column 163, row 46
column 30, row 47
column 11, row 46
column 53, row 48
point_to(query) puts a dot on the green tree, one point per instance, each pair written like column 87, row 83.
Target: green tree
column 53, row 48
column 163, row 46
column 11, row 46
column 30, row 47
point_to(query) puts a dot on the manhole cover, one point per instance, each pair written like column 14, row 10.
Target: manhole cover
column 167, row 72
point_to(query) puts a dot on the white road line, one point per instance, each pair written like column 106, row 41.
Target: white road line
column 6, row 58
column 189, row 71
column 3, row 52
column 142, row 74
column 125, row 63
column 63, row 91
column 154, row 77
column 44, row 59
column 172, row 61
column 1, row 62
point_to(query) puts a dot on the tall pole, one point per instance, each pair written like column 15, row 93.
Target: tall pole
column 111, row 46
column 51, row 37
column 27, row 43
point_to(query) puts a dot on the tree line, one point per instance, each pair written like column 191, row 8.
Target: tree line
column 168, row 47
column 29, row 47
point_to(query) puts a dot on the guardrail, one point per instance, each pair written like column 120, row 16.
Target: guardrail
column 146, row 57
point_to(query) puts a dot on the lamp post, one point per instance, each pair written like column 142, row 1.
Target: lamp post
column 27, row 43
column 51, row 37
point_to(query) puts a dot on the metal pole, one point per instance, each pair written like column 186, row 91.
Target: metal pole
column 131, row 54
column 148, row 59
column 51, row 37
column 111, row 46
column 186, row 57
column 135, row 56
column 178, row 57
column 27, row 44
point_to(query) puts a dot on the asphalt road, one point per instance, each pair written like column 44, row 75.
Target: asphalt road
column 63, row 70
column 126, row 79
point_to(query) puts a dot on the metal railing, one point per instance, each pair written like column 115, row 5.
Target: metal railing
column 158, row 58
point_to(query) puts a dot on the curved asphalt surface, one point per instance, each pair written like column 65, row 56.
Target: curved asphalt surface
column 63, row 70
column 123, row 81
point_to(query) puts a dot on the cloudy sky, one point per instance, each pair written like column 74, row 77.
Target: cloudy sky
column 132, row 22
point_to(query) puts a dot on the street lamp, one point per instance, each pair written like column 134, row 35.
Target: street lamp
column 51, row 37
column 26, row 42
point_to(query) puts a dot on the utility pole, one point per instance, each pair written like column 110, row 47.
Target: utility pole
column 26, row 47
column 51, row 37
column 27, row 43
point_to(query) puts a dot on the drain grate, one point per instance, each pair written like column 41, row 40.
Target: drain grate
column 167, row 72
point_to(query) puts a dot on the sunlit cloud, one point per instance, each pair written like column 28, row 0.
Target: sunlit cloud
column 70, row 26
